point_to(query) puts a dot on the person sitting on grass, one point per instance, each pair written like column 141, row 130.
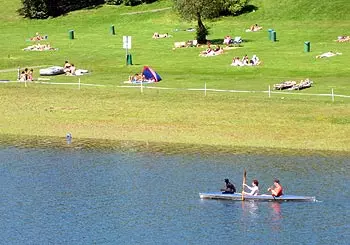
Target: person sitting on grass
column 227, row 40
column 71, row 70
column 245, row 60
column 66, row 67
column 30, row 75
column 22, row 77
column 255, row 60
column 236, row 61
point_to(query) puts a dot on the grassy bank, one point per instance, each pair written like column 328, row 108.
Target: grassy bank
column 179, row 116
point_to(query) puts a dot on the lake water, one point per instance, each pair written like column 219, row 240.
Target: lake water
column 85, row 196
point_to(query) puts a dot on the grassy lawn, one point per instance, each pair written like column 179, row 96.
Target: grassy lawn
column 178, row 116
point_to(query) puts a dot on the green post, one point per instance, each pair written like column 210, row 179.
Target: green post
column 307, row 46
column 273, row 36
column 112, row 30
column 269, row 31
column 71, row 34
column 128, row 59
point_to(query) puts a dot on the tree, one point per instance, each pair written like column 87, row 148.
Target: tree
column 234, row 6
column 207, row 9
column 41, row 9
column 198, row 10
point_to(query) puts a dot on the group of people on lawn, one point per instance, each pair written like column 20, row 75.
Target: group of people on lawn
column 26, row 75
column 245, row 61
column 69, row 69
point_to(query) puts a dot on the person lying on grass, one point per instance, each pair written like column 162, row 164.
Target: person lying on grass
column 342, row 39
column 137, row 78
column 254, row 28
column 328, row 54
column 211, row 52
column 38, row 37
column 156, row 35
column 39, row 47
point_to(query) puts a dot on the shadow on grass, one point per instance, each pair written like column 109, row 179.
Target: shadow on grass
column 248, row 9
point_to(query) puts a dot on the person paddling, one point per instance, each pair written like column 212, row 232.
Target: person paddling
column 254, row 190
column 277, row 189
column 229, row 187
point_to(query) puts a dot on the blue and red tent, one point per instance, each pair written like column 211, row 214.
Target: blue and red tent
column 150, row 74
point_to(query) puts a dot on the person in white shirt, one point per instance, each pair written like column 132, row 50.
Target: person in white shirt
column 254, row 190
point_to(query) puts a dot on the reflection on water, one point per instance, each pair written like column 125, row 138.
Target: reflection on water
column 276, row 216
column 250, row 209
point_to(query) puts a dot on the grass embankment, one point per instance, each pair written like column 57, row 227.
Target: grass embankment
column 228, row 119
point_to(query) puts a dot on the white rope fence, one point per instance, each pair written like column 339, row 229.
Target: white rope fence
column 269, row 91
column 205, row 89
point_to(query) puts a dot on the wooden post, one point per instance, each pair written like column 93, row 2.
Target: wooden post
column 79, row 83
column 332, row 95
column 205, row 89
column 269, row 91
column 141, row 87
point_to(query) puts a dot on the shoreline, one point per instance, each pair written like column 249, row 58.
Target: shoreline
column 44, row 142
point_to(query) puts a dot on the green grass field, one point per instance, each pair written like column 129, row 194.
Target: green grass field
column 284, row 121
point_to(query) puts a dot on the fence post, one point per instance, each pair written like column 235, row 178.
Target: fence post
column 269, row 91
column 205, row 89
column 18, row 73
column 79, row 83
column 332, row 95
column 141, row 87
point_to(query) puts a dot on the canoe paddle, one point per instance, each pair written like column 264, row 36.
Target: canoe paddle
column 244, row 180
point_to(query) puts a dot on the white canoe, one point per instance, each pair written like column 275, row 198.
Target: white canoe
column 238, row 197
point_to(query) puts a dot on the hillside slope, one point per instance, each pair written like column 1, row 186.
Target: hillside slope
column 300, row 10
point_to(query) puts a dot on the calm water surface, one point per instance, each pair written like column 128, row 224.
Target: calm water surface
column 84, row 196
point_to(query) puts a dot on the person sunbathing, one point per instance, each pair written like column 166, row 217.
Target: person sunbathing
column 37, row 37
column 255, row 27
column 206, row 52
column 343, row 39
column 156, row 35
column 328, row 54
column 137, row 78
